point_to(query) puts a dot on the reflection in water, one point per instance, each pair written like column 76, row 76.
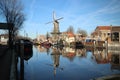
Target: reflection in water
column 77, row 66
column 43, row 49
column 28, row 55
column 56, row 58
column 48, row 50
column 24, row 55
column 115, row 60
column 69, row 53
column 101, row 56
column 81, row 52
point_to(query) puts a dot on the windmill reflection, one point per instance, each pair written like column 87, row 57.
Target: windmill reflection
column 56, row 58
column 48, row 50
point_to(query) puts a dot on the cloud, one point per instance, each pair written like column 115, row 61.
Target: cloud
column 31, row 10
column 111, row 8
column 84, row 15
column 89, row 21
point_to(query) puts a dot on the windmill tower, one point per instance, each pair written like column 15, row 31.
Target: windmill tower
column 56, row 32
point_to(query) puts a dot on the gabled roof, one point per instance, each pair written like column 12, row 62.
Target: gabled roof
column 116, row 28
column 94, row 33
column 70, row 34
column 103, row 27
column 5, row 35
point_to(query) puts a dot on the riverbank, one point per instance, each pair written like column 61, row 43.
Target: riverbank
column 109, row 77
column 7, row 61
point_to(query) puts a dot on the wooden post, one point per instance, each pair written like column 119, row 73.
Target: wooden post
column 94, row 44
column 21, row 60
column 106, row 46
column 119, row 37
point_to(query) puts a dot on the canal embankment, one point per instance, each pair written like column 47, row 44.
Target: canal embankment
column 7, row 63
column 96, row 44
column 114, row 46
column 13, row 69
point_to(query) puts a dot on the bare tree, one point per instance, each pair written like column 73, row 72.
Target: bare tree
column 47, row 36
column 70, row 29
column 11, row 11
column 82, row 32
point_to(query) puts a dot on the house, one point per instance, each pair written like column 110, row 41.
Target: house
column 80, row 37
column 41, row 38
column 109, row 33
column 101, row 33
column 4, row 38
column 115, row 34
column 68, row 37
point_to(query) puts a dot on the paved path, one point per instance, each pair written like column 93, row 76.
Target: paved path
column 5, row 63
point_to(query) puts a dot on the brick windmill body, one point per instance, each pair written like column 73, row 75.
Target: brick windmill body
column 56, row 32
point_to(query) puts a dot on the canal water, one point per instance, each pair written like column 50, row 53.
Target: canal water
column 69, row 64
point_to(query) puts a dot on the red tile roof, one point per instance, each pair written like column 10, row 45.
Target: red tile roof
column 104, row 27
column 70, row 34
column 94, row 33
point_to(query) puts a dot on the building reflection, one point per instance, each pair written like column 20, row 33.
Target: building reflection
column 43, row 49
column 100, row 56
column 114, row 59
column 81, row 52
column 69, row 53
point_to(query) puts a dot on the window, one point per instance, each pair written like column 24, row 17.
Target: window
column 115, row 36
column 108, row 34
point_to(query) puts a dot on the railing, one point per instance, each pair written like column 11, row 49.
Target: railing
column 96, row 44
column 114, row 46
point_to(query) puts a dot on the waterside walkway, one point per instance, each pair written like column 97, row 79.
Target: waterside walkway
column 7, row 63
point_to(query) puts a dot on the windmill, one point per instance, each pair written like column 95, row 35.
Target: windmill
column 55, row 33
column 56, row 60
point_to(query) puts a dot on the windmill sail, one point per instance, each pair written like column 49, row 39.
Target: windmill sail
column 55, row 33
column 60, row 18
column 54, row 16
